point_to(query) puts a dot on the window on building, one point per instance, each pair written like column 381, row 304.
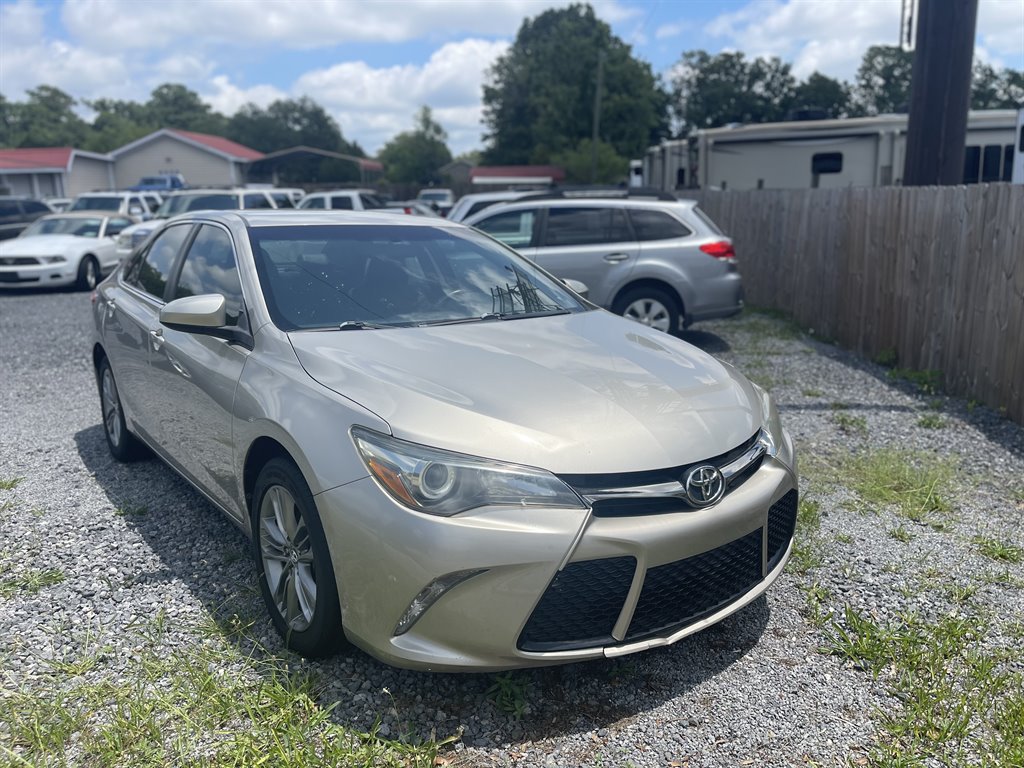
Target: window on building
column 827, row 162
column 991, row 160
column 972, row 164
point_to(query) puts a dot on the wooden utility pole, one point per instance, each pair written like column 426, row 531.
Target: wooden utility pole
column 940, row 92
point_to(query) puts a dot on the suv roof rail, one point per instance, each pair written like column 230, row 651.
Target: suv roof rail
column 599, row 193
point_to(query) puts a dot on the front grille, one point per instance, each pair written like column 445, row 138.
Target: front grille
column 681, row 593
column 14, row 261
column 781, row 525
column 580, row 607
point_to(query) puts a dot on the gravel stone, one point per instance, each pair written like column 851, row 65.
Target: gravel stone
column 130, row 542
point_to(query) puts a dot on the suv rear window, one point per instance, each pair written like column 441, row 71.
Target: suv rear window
column 586, row 226
column 657, row 225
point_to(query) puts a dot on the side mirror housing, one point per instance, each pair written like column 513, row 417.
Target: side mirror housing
column 576, row 286
column 205, row 315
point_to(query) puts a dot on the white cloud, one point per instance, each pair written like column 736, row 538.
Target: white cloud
column 20, row 23
column 667, row 31
column 228, row 98
column 373, row 104
column 831, row 37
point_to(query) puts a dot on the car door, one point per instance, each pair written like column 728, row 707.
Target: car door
column 106, row 246
column 130, row 314
column 590, row 243
column 195, row 375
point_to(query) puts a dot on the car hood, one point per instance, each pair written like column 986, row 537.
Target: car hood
column 43, row 245
column 582, row 393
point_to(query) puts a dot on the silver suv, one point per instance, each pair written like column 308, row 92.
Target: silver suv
column 650, row 257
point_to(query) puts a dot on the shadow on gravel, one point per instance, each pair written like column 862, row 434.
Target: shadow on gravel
column 711, row 343
column 200, row 548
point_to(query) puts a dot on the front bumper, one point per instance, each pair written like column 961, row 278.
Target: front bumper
column 557, row 585
column 38, row 275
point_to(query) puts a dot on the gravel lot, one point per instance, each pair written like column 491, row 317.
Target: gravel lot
column 91, row 551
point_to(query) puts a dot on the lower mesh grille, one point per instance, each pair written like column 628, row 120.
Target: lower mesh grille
column 683, row 592
column 781, row 524
column 580, row 607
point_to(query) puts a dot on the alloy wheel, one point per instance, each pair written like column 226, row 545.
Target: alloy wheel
column 649, row 312
column 111, row 407
column 287, row 553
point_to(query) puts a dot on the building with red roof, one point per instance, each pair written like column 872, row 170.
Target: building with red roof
column 203, row 159
column 54, row 171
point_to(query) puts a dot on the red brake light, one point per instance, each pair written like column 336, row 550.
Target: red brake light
column 720, row 250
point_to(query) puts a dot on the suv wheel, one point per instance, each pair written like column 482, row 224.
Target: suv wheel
column 652, row 307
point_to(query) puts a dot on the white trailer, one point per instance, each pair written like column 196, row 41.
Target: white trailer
column 859, row 151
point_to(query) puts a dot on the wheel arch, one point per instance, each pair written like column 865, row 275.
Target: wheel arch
column 262, row 450
column 649, row 282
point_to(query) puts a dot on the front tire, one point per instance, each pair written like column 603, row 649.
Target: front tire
column 88, row 274
column 293, row 564
column 123, row 445
column 652, row 307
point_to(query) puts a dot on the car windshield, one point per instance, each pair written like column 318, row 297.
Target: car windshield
column 176, row 204
column 96, row 204
column 65, row 225
column 440, row 196
column 384, row 275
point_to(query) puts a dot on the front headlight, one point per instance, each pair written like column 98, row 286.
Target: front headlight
column 443, row 483
column 52, row 259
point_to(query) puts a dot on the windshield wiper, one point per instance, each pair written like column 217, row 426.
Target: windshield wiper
column 360, row 325
column 496, row 316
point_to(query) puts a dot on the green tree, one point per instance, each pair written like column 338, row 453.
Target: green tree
column 824, row 93
column 46, row 119
column 611, row 166
column 117, row 123
column 286, row 123
column 416, row 156
column 996, row 90
column 883, row 81
column 710, row 91
column 174, row 106
column 539, row 97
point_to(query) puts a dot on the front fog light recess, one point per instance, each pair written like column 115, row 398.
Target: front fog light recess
column 429, row 595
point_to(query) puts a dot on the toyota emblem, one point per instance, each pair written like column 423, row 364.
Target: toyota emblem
column 704, row 485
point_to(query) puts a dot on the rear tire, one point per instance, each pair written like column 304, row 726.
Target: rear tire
column 123, row 445
column 653, row 307
column 293, row 564
column 88, row 274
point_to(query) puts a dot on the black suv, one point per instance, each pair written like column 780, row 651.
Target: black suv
column 16, row 213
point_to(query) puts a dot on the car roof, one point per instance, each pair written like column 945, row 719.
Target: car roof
column 85, row 215
column 305, row 217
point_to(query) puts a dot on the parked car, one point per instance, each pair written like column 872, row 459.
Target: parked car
column 469, row 204
column 58, row 204
column 287, row 197
column 193, row 200
column 342, row 200
column 654, row 259
column 71, row 248
column 16, row 213
column 412, row 208
column 438, row 451
column 441, row 199
column 126, row 203
column 163, row 182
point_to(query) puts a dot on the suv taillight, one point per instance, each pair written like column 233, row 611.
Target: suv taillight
column 720, row 250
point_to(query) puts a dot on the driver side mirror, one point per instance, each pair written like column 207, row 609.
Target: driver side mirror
column 205, row 315
column 576, row 286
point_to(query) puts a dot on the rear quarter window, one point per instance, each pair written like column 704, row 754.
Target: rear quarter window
column 657, row 225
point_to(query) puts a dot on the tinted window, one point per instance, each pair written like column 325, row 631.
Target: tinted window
column 585, row 226
column 313, row 202
column 81, row 226
column 827, row 162
column 972, row 164
column 370, row 202
column 201, row 202
column 155, row 266
column 96, row 204
column 514, row 228
column 990, row 162
column 340, row 202
column 657, row 225
column 115, row 225
column 34, row 206
column 257, row 201
column 282, row 200
column 210, row 267
column 9, row 208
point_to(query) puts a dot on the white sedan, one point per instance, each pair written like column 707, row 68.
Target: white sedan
column 63, row 249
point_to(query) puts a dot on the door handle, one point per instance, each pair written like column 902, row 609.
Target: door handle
column 616, row 257
column 111, row 306
column 157, row 339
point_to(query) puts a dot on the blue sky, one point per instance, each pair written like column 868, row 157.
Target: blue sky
column 372, row 63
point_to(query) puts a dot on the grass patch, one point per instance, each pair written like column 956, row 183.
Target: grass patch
column 915, row 483
column 1001, row 551
column 931, row 421
column 929, row 382
column 844, row 538
column 886, row 358
column 957, row 696
column 900, row 533
column 131, row 511
column 807, row 544
column 850, row 425
column 510, row 693
column 30, row 582
column 10, row 483
column 812, row 393
column 205, row 705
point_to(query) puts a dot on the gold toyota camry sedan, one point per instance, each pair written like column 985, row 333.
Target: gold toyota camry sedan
column 439, row 452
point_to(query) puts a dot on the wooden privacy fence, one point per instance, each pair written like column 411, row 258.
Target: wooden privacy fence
column 934, row 274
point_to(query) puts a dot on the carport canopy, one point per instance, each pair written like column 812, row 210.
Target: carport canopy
column 273, row 163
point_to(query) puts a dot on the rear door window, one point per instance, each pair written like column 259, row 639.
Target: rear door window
column 253, row 202
column 657, row 225
column 340, row 202
column 586, row 226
